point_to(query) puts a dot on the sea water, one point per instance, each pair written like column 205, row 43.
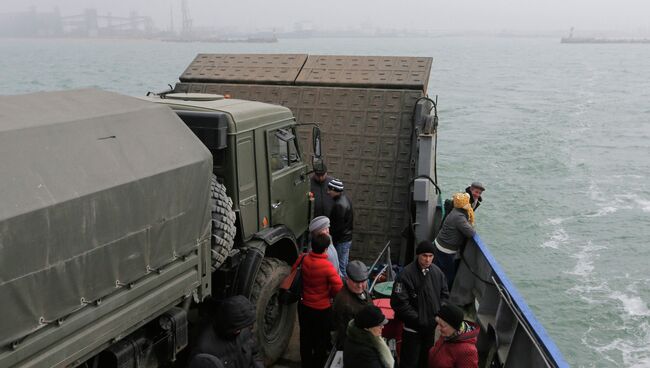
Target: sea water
column 559, row 134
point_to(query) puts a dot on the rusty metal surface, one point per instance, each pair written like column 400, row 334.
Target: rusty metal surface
column 244, row 68
column 366, row 141
column 366, row 71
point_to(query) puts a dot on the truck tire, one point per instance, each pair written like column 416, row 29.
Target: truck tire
column 274, row 320
column 223, row 223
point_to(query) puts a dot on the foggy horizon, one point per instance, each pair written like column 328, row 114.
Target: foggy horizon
column 629, row 16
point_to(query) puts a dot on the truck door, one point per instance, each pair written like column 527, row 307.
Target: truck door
column 289, row 185
column 246, row 182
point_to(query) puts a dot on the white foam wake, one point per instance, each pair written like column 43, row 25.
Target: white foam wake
column 558, row 238
column 632, row 304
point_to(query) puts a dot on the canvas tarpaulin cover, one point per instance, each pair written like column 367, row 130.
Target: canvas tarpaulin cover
column 98, row 190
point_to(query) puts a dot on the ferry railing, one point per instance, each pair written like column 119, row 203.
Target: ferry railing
column 510, row 333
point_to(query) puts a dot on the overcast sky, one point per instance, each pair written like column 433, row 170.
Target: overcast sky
column 522, row 15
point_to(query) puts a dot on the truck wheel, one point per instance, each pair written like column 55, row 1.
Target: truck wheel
column 223, row 223
column 274, row 323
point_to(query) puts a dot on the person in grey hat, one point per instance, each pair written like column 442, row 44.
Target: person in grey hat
column 475, row 190
column 322, row 202
column 342, row 219
column 351, row 299
column 321, row 225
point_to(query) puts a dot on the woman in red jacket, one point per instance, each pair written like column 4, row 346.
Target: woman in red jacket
column 320, row 283
column 456, row 346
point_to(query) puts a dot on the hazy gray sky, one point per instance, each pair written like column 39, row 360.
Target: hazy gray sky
column 524, row 15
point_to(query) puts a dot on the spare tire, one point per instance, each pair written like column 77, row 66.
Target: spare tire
column 223, row 223
column 274, row 320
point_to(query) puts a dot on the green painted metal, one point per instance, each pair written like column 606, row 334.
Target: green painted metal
column 262, row 179
column 99, row 221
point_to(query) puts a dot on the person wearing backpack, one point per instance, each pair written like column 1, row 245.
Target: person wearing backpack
column 320, row 283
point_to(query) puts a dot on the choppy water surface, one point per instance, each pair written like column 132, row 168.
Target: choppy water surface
column 559, row 134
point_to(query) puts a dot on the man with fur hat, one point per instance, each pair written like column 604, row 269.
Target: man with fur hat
column 456, row 346
column 229, row 337
column 418, row 292
column 455, row 230
column 322, row 202
column 342, row 220
column 351, row 299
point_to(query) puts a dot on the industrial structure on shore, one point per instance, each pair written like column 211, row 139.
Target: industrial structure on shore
column 88, row 23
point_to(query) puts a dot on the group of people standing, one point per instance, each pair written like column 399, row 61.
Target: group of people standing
column 337, row 310
column 330, row 201
column 420, row 296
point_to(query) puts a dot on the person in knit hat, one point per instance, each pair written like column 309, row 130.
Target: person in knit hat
column 456, row 347
column 342, row 218
column 418, row 293
column 456, row 230
column 365, row 348
column 229, row 337
column 321, row 225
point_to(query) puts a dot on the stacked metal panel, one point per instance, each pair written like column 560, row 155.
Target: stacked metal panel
column 364, row 106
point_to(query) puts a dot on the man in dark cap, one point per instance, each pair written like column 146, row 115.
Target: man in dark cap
column 322, row 202
column 351, row 299
column 475, row 190
column 364, row 347
column 418, row 292
column 229, row 336
column 342, row 219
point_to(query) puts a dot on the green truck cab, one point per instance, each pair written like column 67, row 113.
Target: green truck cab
column 255, row 153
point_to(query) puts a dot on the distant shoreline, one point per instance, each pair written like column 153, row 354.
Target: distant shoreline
column 603, row 40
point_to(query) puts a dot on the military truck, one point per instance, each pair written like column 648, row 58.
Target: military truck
column 118, row 219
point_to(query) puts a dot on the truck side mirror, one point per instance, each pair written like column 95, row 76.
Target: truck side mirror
column 316, row 142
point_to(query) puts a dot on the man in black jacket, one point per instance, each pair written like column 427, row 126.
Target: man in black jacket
column 475, row 190
column 419, row 291
column 229, row 337
column 341, row 219
column 322, row 202
column 350, row 300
